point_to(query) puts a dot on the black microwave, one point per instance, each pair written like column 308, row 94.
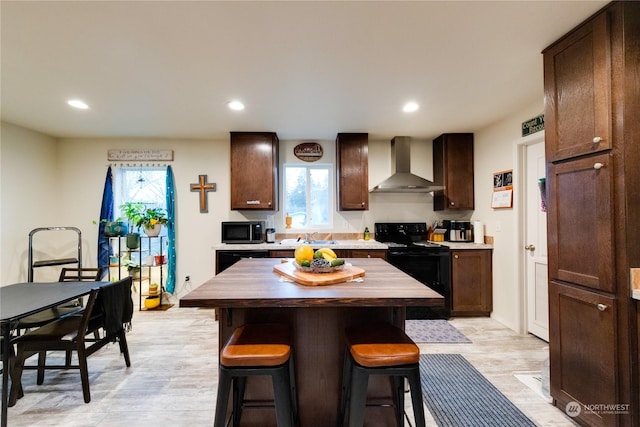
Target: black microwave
column 243, row 232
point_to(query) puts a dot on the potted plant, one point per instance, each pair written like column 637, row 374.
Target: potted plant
column 115, row 228
column 133, row 268
column 152, row 220
column 133, row 211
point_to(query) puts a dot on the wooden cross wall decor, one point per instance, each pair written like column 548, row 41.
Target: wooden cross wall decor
column 203, row 187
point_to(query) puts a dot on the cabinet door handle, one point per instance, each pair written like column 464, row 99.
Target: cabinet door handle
column 596, row 139
column 455, row 256
column 602, row 307
column 598, row 166
column 452, row 203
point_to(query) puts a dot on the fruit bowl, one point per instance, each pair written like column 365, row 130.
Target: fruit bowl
column 317, row 269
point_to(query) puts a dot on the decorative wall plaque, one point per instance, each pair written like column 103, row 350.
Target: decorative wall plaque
column 308, row 151
column 140, row 155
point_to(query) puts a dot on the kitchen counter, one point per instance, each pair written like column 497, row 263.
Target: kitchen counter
column 292, row 244
column 339, row 244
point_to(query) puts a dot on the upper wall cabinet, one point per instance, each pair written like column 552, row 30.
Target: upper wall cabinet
column 352, row 158
column 577, row 80
column 254, row 171
column 453, row 168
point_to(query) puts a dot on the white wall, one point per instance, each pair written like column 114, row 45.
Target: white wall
column 495, row 149
column 83, row 164
column 28, row 195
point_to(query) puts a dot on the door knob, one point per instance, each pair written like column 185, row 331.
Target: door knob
column 530, row 248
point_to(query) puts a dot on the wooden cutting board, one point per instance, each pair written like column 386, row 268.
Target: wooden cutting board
column 289, row 271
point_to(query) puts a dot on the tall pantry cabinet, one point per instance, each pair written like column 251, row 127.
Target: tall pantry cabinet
column 592, row 110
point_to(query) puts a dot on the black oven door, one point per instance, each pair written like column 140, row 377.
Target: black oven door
column 431, row 267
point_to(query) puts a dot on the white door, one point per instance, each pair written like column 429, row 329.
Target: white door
column 535, row 248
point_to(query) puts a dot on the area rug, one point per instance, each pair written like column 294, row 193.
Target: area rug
column 457, row 395
column 437, row 330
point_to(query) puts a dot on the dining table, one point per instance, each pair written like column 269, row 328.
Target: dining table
column 20, row 300
column 253, row 291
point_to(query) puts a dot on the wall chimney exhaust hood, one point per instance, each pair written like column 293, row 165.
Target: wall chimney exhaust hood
column 402, row 180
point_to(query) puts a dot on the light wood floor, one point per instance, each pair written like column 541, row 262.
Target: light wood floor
column 173, row 377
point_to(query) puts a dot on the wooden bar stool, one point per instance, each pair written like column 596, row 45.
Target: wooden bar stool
column 258, row 349
column 380, row 349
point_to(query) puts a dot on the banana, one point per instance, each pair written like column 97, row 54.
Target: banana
column 328, row 257
column 325, row 253
column 329, row 252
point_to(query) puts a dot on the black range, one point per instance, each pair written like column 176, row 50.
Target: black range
column 427, row 262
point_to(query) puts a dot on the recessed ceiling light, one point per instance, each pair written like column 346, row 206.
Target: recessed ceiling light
column 76, row 103
column 410, row 107
column 236, row 105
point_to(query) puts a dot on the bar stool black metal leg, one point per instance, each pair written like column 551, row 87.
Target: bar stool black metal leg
column 239, row 384
column 224, row 384
column 416, row 397
column 282, row 390
column 398, row 399
column 358, row 398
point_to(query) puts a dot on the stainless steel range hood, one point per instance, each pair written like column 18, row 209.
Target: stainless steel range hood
column 402, row 180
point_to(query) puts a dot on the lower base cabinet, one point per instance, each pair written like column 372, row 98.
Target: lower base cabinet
column 471, row 282
column 583, row 359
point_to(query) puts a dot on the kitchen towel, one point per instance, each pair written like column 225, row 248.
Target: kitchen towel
column 478, row 232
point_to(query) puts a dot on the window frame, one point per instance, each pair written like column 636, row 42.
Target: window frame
column 329, row 168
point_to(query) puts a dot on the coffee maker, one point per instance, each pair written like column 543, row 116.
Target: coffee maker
column 458, row 231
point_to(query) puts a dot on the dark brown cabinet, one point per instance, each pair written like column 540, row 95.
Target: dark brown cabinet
column 471, row 282
column 580, row 222
column 583, row 349
column 453, row 168
column 352, row 162
column 592, row 94
column 368, row 253
column 577, row 77
column 254, row 171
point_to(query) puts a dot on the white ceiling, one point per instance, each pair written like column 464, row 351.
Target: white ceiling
column 305, row 70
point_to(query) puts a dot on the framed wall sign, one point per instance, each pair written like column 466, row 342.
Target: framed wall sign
column 502, row 196
column 308, row 151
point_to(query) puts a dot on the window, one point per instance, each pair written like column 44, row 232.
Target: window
column 147, row 185
column 308, row 195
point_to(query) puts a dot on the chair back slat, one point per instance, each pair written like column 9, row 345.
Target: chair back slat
column 85, row 274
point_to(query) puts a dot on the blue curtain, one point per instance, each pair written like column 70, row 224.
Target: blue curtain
column 106, row 213
column 171, row 234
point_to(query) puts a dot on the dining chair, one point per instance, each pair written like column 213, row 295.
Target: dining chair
column 109, row 308
column 73, row 307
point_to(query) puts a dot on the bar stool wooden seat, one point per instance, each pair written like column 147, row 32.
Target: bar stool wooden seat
column 380, row 349
column 258, row 349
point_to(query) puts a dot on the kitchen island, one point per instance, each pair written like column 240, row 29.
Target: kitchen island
column 249, row 291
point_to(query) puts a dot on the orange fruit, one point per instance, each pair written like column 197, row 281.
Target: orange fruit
column 304, row 252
